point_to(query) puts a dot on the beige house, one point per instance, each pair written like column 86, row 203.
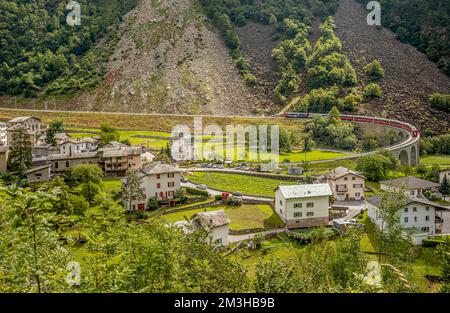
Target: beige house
column 158, row 180
column 4, row 151
column 216, row 223
column 116, row 161
column 303, row 206
column 33, row 125
column 78, row 145
column 3, row 134
column 413, row 186
column 346, row 184
column 39, row 174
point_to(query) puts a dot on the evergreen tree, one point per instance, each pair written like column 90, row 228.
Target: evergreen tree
column 56, row 126
column 20, row 156
column 444, row 187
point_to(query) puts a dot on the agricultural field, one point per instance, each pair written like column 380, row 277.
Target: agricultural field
column 249, row 185
column 441, row 160
column 246, row 216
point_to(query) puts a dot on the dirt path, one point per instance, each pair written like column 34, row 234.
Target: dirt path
column 409, row 76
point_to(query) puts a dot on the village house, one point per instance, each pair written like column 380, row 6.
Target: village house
column 215, row 223
column 3, row 134
column 39, row 174
column 413, row 186
column 59, row 139
column 60, row 161
column 4, row 151
column 303, row 206
column 158, row 180
column 420, row 217
column 346, row 184
column 442, row 174
column 116, row 161
column 33, row 125
column 78, row 145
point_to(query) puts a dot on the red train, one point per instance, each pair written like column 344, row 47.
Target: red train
column 362, row 119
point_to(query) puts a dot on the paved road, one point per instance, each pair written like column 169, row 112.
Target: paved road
column 237, row 238
column 215, row 192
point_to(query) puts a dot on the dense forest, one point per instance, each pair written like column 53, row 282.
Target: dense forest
column 423, row 23
column 41, row 53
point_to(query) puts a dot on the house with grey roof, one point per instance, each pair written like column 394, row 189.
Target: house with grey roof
column 420, row 217
column 303, row 206
column 413, row 186
column 39, row 174
column 215, row 223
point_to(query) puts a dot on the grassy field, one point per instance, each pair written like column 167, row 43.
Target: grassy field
column 297, row 156
column 250, row 185
column 164, row 123
column 247, row 216
column 443, row 160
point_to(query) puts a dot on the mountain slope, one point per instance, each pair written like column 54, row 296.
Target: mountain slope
column 410, row 77
column 171, row 60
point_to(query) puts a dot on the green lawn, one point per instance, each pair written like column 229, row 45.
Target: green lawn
column 247, row 216
column 111, row 185
column 250, row 185
column 315, row 155
column 435, row 159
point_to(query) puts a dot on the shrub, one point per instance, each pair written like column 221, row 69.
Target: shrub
column 250, row 79
column 372, row 90
column 431, row 243
column 198, row 192
column 440, row 101
column 374, row 70
column 218, row 197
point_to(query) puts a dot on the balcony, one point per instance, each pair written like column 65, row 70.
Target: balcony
column 341, row 189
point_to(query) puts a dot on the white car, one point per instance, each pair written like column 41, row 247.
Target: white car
column 202, row 187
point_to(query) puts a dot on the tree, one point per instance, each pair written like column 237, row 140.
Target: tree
column 108, row 133
column 132, row 189
column 374, row 70
column 20, row 156
column 32, row 259
column 88, row 177
column 372, row 90
column 444, row 187
column 374, row 166
column 285, row 141
column 56, row 126
column 393, row 240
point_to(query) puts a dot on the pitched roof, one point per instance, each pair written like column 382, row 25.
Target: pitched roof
column 305, row 191
column 121, row 152
column 159, row 168
column 375, row 200
column 115, row 144
column 342, row 171
column 22, row 119
column 81, row 155
column 410, row 182
column 38, row 168
column 211, row 219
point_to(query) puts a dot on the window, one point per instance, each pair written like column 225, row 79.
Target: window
column 310, row 204
column 281, row 211
column 170, row 184
column 405, row 210
column 427, row 218
column 357, row 185
column 406, row 219
column 425, row 229
column 158, row 186
column 415, row 218
column 309, row 213
column 414, row 209
column 67, row 164
column 281, row 202
column 56, row 164
column 345, row 178
column 411, row 192
column 353, row 178
column 171, row 175
column 297, row 214
column 158, row 176
column 427, row 208
column 297, row 205
column 357, row 194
